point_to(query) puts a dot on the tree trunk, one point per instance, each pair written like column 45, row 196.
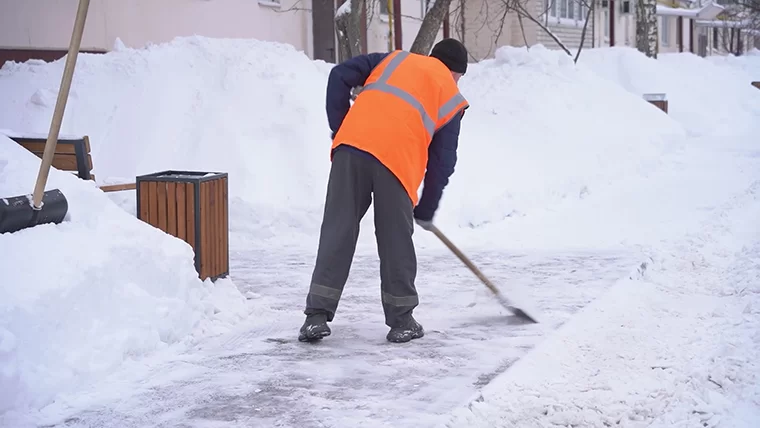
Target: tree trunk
column 428, row 31
column 348, row 21
column 341, row 29
column 355, row 26
column 646, row 27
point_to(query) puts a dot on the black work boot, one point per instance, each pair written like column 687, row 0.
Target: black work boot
column 411, row 330
column 314, row 328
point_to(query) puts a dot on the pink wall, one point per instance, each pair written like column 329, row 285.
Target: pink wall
column 48, row 23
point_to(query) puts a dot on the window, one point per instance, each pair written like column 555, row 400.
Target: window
column 583, row 9
column 665, row 30
column 566, row 12
column 606, row 24
column 551, row 5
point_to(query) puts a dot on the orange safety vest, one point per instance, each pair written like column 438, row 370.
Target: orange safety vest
column 407, row 98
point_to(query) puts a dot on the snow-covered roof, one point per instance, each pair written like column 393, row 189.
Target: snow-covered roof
column 707, row 12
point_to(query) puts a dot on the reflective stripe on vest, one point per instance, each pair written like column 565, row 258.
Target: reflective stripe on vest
column 382, row 85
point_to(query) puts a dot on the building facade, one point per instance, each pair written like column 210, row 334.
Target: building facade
column 698, row 26
column 42, row 28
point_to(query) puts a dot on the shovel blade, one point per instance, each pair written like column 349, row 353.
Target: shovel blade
column 518, row 312
column 523, row 315
column 17, row 213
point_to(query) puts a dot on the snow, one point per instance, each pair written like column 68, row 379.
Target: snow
column 206, row 120
column 81, row 298
column 344, row 9
column 529, row 98
column 630, row 229
column 691, row 84
column 40, row 135
column 708, row 11
column 259, row 375
column 677, row 345
column 675, row 348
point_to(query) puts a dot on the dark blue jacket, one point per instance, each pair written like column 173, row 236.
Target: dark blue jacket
column 442, row 153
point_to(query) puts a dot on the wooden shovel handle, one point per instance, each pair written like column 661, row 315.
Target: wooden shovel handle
column 464, row 259
column 60, row 104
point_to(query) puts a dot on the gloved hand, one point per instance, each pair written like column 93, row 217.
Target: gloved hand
column 355, row 91
column 422, row 218
column 425, row 224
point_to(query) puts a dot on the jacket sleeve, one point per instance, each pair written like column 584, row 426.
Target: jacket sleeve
column 344, row 77
column 442, row 157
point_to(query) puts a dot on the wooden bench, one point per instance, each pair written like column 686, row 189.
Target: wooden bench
column 658, row 100
column 71, row 154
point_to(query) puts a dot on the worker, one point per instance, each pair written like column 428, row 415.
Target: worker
column 405, row 120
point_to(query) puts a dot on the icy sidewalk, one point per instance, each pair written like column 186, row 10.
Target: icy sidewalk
column 679, row 349
column 262, row 376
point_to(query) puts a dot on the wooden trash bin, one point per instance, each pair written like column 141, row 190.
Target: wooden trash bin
column 658, row 100
column 192, row 206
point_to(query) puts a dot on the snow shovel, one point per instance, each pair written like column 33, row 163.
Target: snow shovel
column 500, row 297
column 26, row 211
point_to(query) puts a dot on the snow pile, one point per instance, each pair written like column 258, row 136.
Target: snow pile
column 675, row 345
column 256, row 110
column 252, row 109
column 749, row 63
column 541, row 131
column 641, row 199
column 549, row 154
column 692, row 85
column 81, row 297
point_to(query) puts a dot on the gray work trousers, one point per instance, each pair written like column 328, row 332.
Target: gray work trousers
column 354, row 180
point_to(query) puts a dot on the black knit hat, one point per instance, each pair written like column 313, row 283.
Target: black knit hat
column 452, row 53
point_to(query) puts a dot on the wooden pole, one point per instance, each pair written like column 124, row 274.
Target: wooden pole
column 397, row 24
column 691, row 35
column 446, row 24
column 612, row 22
column 60, row 104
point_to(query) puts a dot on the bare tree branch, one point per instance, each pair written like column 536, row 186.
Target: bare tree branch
column 521, row 10
column 502, row 23
column 585, row 26
column 293, row 7
column 740, row 16
column 522, row 31
column 752, row 7
column 476, row 23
